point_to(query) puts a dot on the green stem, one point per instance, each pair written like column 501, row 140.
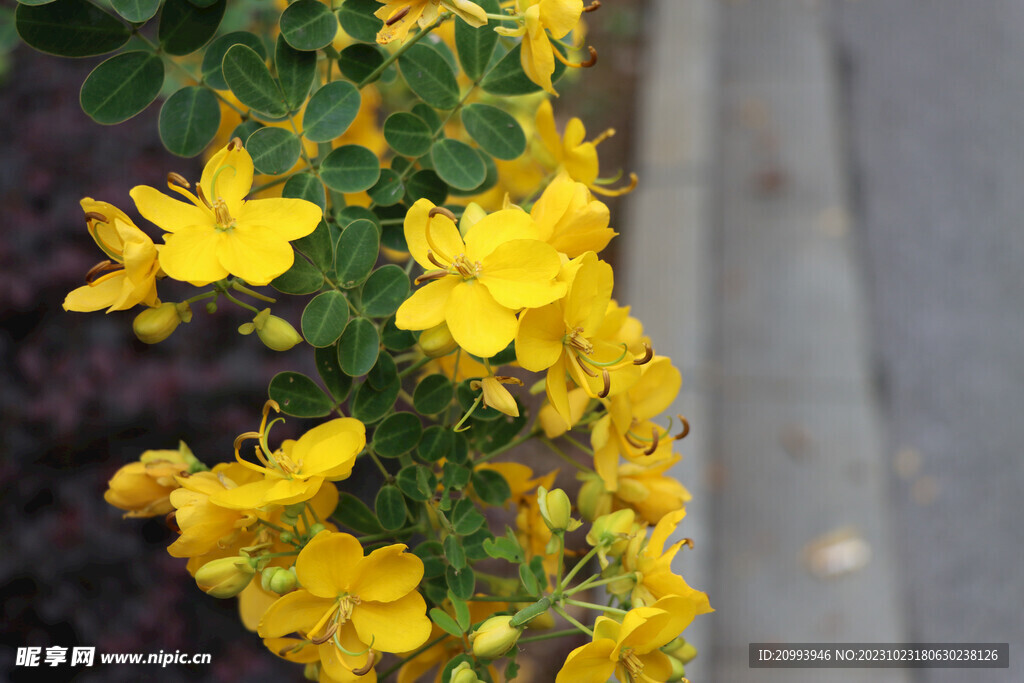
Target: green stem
column 504, row 598
column 290, row 553
column 272, row 183
column 372, row 538
column 564, row 456
column 577, row 444
column 550, row 636
column 239, row 302
column 397, row 53
column 590, row 605
column 575, row 570
column 415, row 366
column 380, row 465
column 592, row 583
column 200, row 297
column 253, row 293
column 565, row 615
column 278, row 529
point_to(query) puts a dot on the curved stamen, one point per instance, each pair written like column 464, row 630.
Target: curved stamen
column 586, row 64
column 431, row 275
column 328, row 634
column 654, row 442
column 92, row 277
column 592, row 7
column 686, row 429
column 596, row 189
column 363, row 670
column 633, row 440
column 234, row 144
column 607, row 379
column 242, row 438
column 443, row 211
column 213, row 181
column 338, row 644
column 202, row 196
column 583, row 367
column 191, row 197
column 171, row 520
column 433, row 259
column 430, row 240
column 648, row 355
column 688, row 542
column 178, row 179
column 607, row 364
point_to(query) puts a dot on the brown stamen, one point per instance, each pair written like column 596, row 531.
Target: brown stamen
column 430, row 275
column 101, row 267
column 443, row 211
column 397, row 16
column 328, row 634
column 363, row 670
column 686, row 428
column 433, row 259
column 503, row 379
column 592, row 60
column 593, row 7
column 607, row 379
column 688, row 542
column 171, row 521
column 235, row 143
column 628, row 436
column 654, row 442
column 95, row 216
column 648, row 355
column 584, row 368
column 177, row 179
column 202, row 196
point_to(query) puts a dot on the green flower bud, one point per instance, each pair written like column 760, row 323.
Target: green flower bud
column 610, row 533
column 154, row 325
column 593, row 500
column 678, row 670
column 225, row 577
column 556, row 510
column 471, row 215
column 311, row 672
column 686, row 654
column 437, row 341
column 464, row 673
column 287, row 537
column 276, row 333
column 283, row 581
column 495, row 637
column 316, row 528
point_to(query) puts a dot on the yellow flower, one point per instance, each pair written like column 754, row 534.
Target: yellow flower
column 653, row 565
column 537, row 56
column 630, row 650
column 563, row 339
column 401, row 15
column 570, row 219
column 126, row 280
column 572, row 153
column 219, row 233
column 352, row 606
column 645, row 489
column 143, row 488
column 497, row 396
column 478, row 284
column 206, row 526
column 295, row 472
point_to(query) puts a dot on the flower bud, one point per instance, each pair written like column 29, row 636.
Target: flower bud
column 143, row 489
column 437, row 341
column 316, row 528
column 225, row 577
column 678, row 670
column 154, row 325
column 555, row 509
column 471, row 215
column 494, row 638
column 497, row 396
column 276, row 333
column 311, row 672
column 278, row 580
column 593, row 499
column 464, row 673
column 610, row 534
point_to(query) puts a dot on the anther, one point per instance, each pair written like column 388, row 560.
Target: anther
column 654, row 442
column 628, row 436
column 441, row 210
column 688, row 542
column 101, row 267
column 328, row 634
column 648, row 355
column 171, row 521
column 370, row 657
column 686, row 428
column 584, row 368
column 202, row 196
column 592, row 60
column 397, row 16
column 235, row 143
column 592, row 7
column 95, row 216
column 430, row 275
column 607, row 379
column 178, row 179
column 433, row 259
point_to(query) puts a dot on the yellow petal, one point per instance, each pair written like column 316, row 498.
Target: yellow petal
column 253, row 603
column 478, row 323
column 444, row 239
column 387, row 574
column 104, row 232
column 255, row 253
column 289, row 218
column 228, row 176
column 498, row 228
column 326, row 566
column 292, row 649
column 498, row 397
column 470, row 12
column 521, row 274
column 536, row 56
column 645, row 629
column 330, row 449
column 338, row 666
column 560, row 16
column 656, row 389
column 539, row 339
column 546, row 131
column 397, row 626
column 588, row 663
column 167, row 213
column 293, row 612
column 101, row 294
column 191, row 256
column 558, row 395
column 589, row 294
column 580, row 160
column 425, row 308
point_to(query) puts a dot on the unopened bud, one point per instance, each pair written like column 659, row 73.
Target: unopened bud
column 471, row 215
column 311, row 672
column 225, row 577
column 678, row 670
column 437, row 341
column 276, row 333
column 278, row 580
column 316, row 528
column 154, row 325
column 610, row 534
column 556, row 510
column 464, row 673
column 211, row 307
column 495, row 637
column 593, row 500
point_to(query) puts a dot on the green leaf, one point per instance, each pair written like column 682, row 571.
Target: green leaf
column 417, row 482
column 390, row 507
column 393, row 237
column 497, row 132
column 337, row 382
column 455, row 476
column 397, row 434
column 453, row 551
column 490, row 178
column 358, row 61
column 358, row 348
column 246, row 128
column 384, row 291
column 476, row 45
column 432, row 395
column 135, row 11
column 369, row 404
column 189, row 120
column 250, row 80
column 383, row 373
column 355, row 514
column 307, row 186
column 356, row 253
column 356, row 17
column 302, row 278
column 273, row 150
column 460, row 449
column 350, row 168
column 461, row 610
column 429, row 76
column 325, row 318
column 389, row 189
column 395, row 339
column 458, row 164
column 461, row 582
column 184, row 28
column 122, row 86
column 213, row 73
column 491, row 487
column 529, row 580
column 318, row 245
column 425, row 185
column 445, row 622
column 330, row 110
column 507, row 76
column 296, row 70
column 70, row 28
column 474, row 543
column 466, row 518
column 429, row 116
column 505, row 548
column 350, row 214
column 408, row 134
column 308, row 25
column 298, row 395
column 436, row 443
